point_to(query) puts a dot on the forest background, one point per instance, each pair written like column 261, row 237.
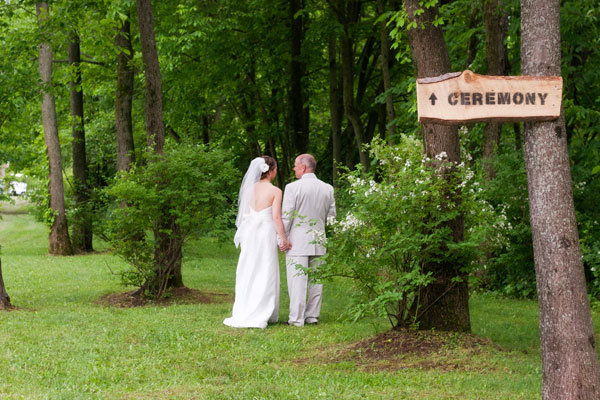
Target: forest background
column 242, row 79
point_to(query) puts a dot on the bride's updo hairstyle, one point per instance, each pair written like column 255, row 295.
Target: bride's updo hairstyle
column 270, row 161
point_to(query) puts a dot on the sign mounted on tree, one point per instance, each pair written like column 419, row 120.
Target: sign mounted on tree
column 460, row 97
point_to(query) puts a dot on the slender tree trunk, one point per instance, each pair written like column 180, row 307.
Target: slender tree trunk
column 155, row 127
column 82, row 223
column 351, row 13
column 518, row 136
column 59, row 242
column 496, row 26
column 124, row 98
column 569, row 357
column 167, row 253
column 4, row 298
column 297, row 96
column 445, row 303
column 385, row 72
column 335, row 107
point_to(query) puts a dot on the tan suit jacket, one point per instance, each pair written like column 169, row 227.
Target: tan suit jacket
column 307, row 203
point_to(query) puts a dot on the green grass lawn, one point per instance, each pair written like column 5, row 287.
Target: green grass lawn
column 61, row 343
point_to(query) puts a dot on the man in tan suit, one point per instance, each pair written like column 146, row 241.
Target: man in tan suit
column 307, row 203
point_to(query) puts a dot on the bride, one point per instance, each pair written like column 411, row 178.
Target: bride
column 259, row 223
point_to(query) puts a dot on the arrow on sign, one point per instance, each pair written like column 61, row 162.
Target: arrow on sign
column 433, row 98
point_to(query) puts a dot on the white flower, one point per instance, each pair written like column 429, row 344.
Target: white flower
column 264, row 167
column 441, row 156
column 350, row 222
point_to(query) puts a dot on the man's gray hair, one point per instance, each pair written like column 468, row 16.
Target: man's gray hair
column 308, row 160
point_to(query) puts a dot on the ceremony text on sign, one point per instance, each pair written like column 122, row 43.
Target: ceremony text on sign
column 468, row 97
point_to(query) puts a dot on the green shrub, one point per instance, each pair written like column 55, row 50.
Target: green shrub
column 509, row 268
column 393, row 220
column 190, row 188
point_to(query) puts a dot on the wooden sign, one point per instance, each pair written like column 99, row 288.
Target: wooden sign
column 461, row 97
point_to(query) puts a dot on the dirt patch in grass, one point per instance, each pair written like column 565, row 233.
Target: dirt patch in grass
column 182, row 295
column 396, row 350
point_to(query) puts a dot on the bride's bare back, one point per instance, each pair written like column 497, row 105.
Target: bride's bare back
column 265, row 196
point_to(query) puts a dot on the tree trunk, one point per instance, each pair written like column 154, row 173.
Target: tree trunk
column 335, row 107
column 297, row 96
column 4, row 298
column 59, row 242
column 82, row 223
column 351, row 13
column 445, row 304
column 155, row 127
column 385, row 72
column 569, row 358
column 124, row 98
column 168, row 250
column 496, row 26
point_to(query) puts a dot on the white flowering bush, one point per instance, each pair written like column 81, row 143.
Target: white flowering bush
column 392, row 221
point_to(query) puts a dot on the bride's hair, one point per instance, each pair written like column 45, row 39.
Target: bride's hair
column 270, row 161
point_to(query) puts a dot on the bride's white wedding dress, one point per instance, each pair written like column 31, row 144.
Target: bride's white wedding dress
column 257, row 276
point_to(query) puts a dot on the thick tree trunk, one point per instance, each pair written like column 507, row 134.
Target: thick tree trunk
column 496, row 26
column 4, row 298
column 336, row 109
column 168, row 251
column 124, row 98
column 297, row 96
column 385, row 72
column 59, row 242
column 569, row 357
column 82, row 223
column 445, row 304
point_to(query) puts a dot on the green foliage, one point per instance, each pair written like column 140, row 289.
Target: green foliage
column 189, row 186
column 509, row 268
column 394, row 221
column 586, row 186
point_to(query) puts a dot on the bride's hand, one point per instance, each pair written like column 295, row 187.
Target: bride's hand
column 285, row 245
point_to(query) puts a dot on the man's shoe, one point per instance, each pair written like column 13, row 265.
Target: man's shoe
column 311, row 322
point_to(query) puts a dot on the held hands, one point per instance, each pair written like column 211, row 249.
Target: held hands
column 284, row 245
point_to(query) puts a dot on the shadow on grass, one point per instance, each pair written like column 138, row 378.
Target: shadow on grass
column 15, row 206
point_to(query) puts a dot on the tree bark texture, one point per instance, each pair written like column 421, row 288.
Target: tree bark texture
column 155, row 128
column 336, row 109
column 124, row 98
column 385, row 72
column 569, row 357
column 350, row 12
column 445, row 304
column 297, row 96
column 59, row 242
column 82, row 223
column 496, row 27
column 4, row 298
column 167, row 256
